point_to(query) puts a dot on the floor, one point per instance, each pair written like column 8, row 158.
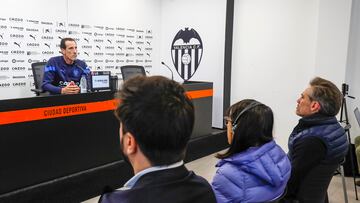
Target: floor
column 205, row 168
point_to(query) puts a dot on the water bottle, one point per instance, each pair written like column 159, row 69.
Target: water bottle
column 83, row 84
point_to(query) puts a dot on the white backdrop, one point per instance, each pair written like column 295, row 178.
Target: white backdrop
column 108, row 35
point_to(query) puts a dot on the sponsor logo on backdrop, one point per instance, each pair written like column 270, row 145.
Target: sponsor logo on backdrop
column 4, row 44
column 32, row 30
column 99, row 27
column 4, row 52
column 60, row 24
column 32, row 53
column 87, row 33
column 16, row 36
column 85, row 26
column 46, row 23
column 47, row 30
column 98, row 34
column 19, row 84
column 4, row 69
column 33, row 21
column 4, row 84
column 186, row 52
column 17, row 61
column 18, row 68
column 71, row 32
column 19, row 77
column 17, row 28
column 17, row 52
column 63, row 31
column 4, row 77
column 33, row 37
column 98, row 40
column 34, row 60
column 47, row 52
column 33, row 44
column 86, row 47
column 18, row 20
column 18, row 44
column 73, row 25
column 47, row 37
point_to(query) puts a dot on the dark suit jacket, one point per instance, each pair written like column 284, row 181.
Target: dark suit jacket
column 175, row 185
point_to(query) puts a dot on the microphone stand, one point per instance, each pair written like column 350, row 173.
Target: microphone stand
column 343, row 110
column 172, row 75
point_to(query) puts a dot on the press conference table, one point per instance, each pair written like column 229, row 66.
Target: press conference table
column 67, row 146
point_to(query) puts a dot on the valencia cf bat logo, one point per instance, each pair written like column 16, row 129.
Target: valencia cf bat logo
column 186, row 52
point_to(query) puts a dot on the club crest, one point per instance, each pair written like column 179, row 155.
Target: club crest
column 186, row 52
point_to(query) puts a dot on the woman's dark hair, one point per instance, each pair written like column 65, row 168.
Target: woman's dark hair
column 253, row 128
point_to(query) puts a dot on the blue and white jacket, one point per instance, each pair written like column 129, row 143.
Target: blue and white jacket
column 58, row 74
column 258, row 174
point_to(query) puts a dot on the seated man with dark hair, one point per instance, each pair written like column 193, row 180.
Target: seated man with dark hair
column 317, row 144
column 156, row 120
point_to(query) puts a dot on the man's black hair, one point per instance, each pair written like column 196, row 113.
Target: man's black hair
column 159, row 114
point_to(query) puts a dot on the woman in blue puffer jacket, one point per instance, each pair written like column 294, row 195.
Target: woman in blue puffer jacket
column 254, row 168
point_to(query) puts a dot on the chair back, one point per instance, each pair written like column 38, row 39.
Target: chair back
column 130, row 71
column 38, row 73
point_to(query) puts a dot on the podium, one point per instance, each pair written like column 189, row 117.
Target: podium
column 201, row 94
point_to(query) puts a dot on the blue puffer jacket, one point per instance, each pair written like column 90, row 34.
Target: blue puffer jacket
column 258, row 174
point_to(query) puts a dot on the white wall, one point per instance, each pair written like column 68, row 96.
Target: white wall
column 353, row 68
column 138, row 19
column 276, row 51
column 207, row 17
column 332, row 40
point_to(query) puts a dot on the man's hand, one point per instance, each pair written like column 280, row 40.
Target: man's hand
column 71, row 88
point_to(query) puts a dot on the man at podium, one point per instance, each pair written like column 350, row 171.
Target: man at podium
column 62, row 74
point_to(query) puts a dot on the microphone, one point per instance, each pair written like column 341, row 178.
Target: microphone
column 81, row 68
column 172, row 74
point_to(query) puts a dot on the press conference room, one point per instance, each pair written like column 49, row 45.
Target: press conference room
column 62, row 146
